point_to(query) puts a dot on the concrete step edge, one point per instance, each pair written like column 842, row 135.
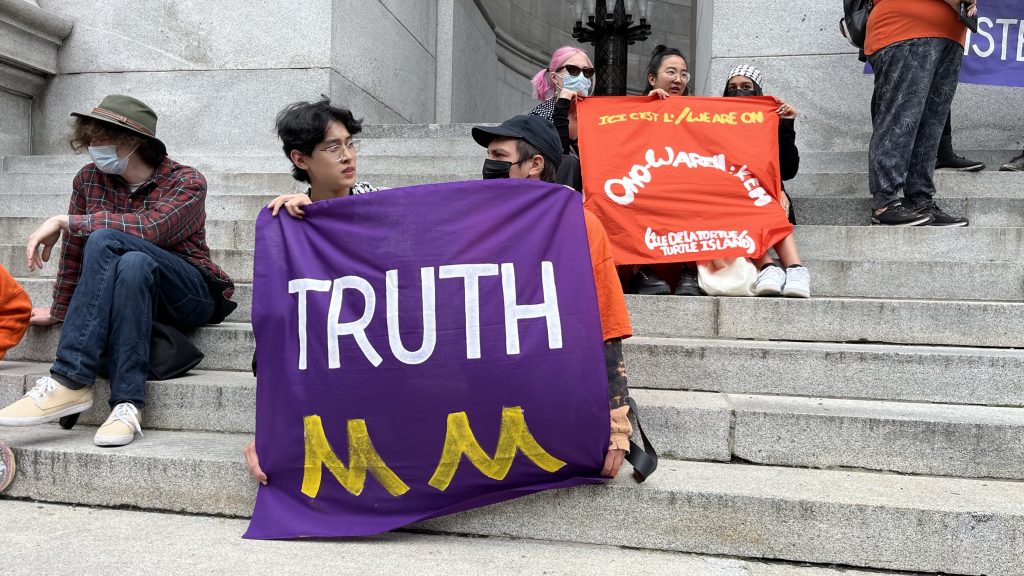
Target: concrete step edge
column 851, row 518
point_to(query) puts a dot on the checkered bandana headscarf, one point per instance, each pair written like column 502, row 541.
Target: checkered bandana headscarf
column 748, row 71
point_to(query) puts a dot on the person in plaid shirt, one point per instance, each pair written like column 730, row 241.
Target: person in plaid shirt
column 134, row 249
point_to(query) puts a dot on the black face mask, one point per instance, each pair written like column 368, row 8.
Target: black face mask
column 496, row 169
column 738, row 92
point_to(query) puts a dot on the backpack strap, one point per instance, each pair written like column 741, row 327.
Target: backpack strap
column 644, row 460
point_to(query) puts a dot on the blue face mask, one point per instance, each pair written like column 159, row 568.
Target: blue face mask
column 106, row 160
column 579, row 84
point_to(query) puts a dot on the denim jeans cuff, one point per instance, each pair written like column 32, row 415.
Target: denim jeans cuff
column 66, row 382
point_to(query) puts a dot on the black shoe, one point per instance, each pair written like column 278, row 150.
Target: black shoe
column 897, row 215
column 646, row 283
column 688, row 285
column 958, row 164
column 940, row 218
column 1015, row 165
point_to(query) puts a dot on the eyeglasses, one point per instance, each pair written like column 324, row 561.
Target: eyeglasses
column 352, row 146
column 681, row 74
column 575, row 70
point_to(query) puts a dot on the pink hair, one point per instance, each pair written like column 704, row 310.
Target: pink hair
column 543, row 87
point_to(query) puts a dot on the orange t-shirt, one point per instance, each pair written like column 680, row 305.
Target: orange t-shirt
column 893, row 21
column 15, row 310
column 610, row 301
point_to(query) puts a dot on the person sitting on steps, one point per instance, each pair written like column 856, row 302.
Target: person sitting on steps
column 134, row 250
column 795, row 280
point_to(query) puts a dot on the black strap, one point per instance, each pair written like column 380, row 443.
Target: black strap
column 644, row 460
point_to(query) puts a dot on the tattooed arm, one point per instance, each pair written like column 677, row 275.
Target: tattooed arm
column 618, row 391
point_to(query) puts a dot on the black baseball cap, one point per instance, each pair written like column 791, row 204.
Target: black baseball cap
column 536, row 130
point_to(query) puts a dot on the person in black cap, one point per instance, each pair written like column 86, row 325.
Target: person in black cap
column 134, row 251
column 529, row 147
column 521, row 147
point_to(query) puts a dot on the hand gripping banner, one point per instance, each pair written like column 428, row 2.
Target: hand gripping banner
column 423, row 351
column 683, row 179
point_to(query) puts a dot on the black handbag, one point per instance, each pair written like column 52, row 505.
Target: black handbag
column 854, row 23
column 171, row 353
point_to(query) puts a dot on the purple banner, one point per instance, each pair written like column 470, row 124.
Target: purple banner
column 422, row 351
column 995, row 55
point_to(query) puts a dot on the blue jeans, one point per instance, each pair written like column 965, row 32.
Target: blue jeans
column 125, row 281
column 915, row 81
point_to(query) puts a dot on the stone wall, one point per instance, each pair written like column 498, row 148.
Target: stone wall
column 29, row 41
column 806, row 62
column 218, row 72
column 528, row 31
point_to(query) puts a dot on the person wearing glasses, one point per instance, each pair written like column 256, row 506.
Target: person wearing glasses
column 667, row 75
column 319, row 140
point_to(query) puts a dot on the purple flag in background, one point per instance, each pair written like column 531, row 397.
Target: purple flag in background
column 423, row 351
column 995, row 55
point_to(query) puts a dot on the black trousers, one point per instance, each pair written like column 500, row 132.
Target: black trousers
column 915, row 81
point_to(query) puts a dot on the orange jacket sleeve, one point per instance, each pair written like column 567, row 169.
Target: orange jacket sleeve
column 15, row 311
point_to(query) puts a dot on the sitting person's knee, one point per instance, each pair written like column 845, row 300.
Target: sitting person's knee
column 135, row 265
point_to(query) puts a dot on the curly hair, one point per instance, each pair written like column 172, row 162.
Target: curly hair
column 85, row 131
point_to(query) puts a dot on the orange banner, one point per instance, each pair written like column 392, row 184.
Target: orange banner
column 683, row 179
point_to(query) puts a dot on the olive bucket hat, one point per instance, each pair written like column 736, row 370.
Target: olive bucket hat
column 127, row 113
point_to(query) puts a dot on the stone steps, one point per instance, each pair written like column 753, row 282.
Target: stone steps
column 832, row 279
column 944, row 375
column 941, row 374
column 210, row 545
column 235, row 184
column 241, row 205
column 816, row 242
column 857, row 161
column 988, row 199
column 877, row 425
column 228, row 346
column 912, row 438
column 884, row 521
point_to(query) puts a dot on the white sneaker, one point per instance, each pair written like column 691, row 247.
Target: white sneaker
column 770, row 281
column 798, row 283
column 120, row 427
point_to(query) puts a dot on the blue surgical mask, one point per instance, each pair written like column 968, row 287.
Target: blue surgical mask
column 106, row 160
column 579, row 84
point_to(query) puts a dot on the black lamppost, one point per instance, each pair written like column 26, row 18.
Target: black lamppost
column 611, row 34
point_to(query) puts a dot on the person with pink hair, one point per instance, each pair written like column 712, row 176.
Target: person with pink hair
column 569, row 74
column 570, row 68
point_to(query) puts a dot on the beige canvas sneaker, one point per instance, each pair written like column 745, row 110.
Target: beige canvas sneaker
column 47, row 401
column 120, row 428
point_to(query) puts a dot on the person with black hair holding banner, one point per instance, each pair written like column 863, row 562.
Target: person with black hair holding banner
column 319, row 140
column 668, row 75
